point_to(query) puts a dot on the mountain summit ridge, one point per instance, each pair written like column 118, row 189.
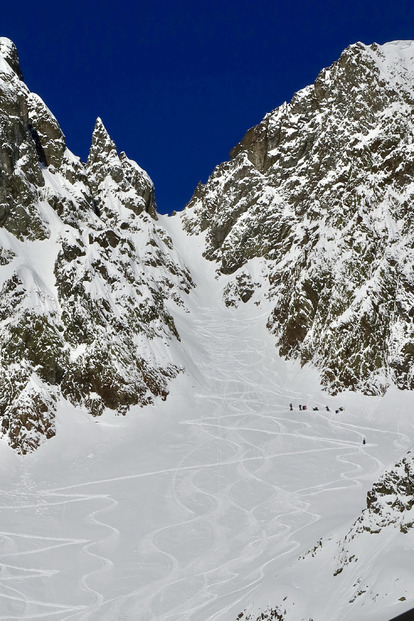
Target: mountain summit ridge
column 322, row 190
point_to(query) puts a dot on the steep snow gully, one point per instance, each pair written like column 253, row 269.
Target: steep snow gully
column 192, row 508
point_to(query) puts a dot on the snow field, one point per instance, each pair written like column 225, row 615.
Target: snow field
column 198, row 507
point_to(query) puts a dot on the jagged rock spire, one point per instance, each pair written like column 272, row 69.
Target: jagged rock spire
column 102, row 146
column 134, row 188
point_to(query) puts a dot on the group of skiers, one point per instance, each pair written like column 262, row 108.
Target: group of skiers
column 315, row 409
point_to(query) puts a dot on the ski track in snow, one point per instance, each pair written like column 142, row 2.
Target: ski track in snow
column 233, row 448
column 192, row 531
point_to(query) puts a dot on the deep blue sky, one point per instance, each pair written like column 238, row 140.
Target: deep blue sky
column 178, row 83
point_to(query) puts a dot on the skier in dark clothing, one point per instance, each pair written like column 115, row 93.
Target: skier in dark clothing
column 290, row 406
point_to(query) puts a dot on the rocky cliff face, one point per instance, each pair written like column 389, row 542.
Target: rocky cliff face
column 322, row 191
column 85, row 272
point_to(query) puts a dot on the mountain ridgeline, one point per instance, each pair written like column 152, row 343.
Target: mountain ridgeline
column 323, row 190
column 85, row 275
column 320, row 192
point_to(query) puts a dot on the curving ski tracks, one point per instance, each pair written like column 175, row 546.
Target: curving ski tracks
column 234, row 487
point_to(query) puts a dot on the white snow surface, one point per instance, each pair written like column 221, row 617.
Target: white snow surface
column 198, row 508
column 220, row 500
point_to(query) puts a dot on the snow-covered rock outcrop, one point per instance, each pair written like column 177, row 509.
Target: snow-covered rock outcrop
column 348, row 576
column 85, row 272
column 322, row 189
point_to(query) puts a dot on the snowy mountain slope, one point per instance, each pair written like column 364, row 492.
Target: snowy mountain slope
column 323, row 189
column 199, row 507
column 85, row 272
column 222, row 501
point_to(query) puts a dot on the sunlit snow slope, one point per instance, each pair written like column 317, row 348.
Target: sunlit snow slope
column 199, row 507
column 183, row 478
